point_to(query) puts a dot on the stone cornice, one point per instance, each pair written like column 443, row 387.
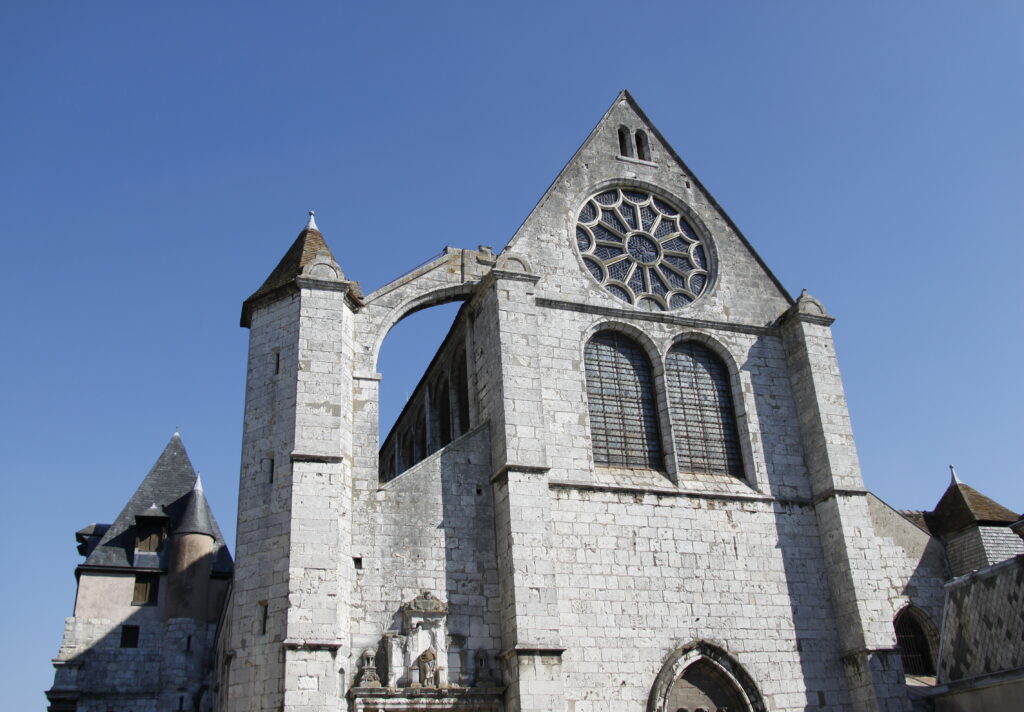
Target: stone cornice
column 312, row 457
column 662, row 317
column 521, row 651
column 299, row 644
column 834, row 492
column 502, row 474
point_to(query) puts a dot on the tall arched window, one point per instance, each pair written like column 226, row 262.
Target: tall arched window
column 625, row 142
column 913, row 644
column 643, row 148
column 460, row 384
column 703, row 416
column 440, row 414
column 623, row 410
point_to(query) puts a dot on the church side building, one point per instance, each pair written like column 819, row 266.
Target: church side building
column 150, row 593
column 627, row 482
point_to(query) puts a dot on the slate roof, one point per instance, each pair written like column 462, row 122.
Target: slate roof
column 307, row 245
column 197, row 519
column 916, row 517
column 169, row 485
column 962, row 506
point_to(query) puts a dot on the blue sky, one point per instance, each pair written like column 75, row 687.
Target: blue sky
column 156, row 160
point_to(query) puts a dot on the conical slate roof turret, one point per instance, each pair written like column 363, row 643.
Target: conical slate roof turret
column 197, row 519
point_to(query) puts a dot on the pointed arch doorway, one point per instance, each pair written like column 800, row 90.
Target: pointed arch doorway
column 701, row 677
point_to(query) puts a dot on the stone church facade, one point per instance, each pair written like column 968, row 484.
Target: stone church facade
column 626, row 481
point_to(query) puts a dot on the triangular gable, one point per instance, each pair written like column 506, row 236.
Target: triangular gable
column 595, row 164
column 168, row 485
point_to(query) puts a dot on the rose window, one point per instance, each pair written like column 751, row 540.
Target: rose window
column 642, row 250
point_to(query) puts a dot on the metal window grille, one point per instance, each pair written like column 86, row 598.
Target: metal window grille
column 913, row 643
column 703, row 416
column 623, row 411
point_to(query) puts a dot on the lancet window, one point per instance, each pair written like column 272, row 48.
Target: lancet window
column 623, row 409
column 703, row 415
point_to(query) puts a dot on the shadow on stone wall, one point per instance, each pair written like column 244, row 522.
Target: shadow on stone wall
column 471, row 569
column 814, row 636
column 169, row 660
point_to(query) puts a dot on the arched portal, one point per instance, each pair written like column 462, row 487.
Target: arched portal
column 703, row 677
column 912, row 639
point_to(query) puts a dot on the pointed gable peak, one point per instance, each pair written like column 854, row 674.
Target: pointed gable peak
column 626, row 151
column 171, row 489
column 309, row 250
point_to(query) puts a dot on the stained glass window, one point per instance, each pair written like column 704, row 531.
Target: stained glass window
column 641, row 249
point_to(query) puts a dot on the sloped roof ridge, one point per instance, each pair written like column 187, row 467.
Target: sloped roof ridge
column 624, row 94
column 306, row 246
column 169, row 481
column 961, row 506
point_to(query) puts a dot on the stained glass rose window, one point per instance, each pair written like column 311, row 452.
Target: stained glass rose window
column 642, row 249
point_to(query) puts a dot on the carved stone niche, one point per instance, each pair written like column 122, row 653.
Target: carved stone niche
column 417, row 668
column 419, row 656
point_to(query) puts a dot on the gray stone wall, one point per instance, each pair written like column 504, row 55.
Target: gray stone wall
column 913, row 565
column 643, row 573
column 256, row 680
column 172, row 659
column 431, row 529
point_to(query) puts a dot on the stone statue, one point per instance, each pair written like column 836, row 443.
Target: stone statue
column 428, row 668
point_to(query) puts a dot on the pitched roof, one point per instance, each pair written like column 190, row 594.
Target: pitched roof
column 307, row 245
column 962, row 506
column 304, row 250
column 915, row 517
column 169, row 485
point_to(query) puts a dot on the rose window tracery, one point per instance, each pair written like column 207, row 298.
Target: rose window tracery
column 642, row 249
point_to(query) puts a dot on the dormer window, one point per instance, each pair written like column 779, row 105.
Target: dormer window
column 149, row 535
column 150, row 529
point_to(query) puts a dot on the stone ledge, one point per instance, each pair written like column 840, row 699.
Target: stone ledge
column 502, row 474
column 672, row 492
column 297, row 644
column 420, row 699
column 663, row 317
column 310, row 457
column 521, row 652
column 833, row 492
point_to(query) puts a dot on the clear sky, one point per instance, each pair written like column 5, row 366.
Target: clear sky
column 157, row 159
